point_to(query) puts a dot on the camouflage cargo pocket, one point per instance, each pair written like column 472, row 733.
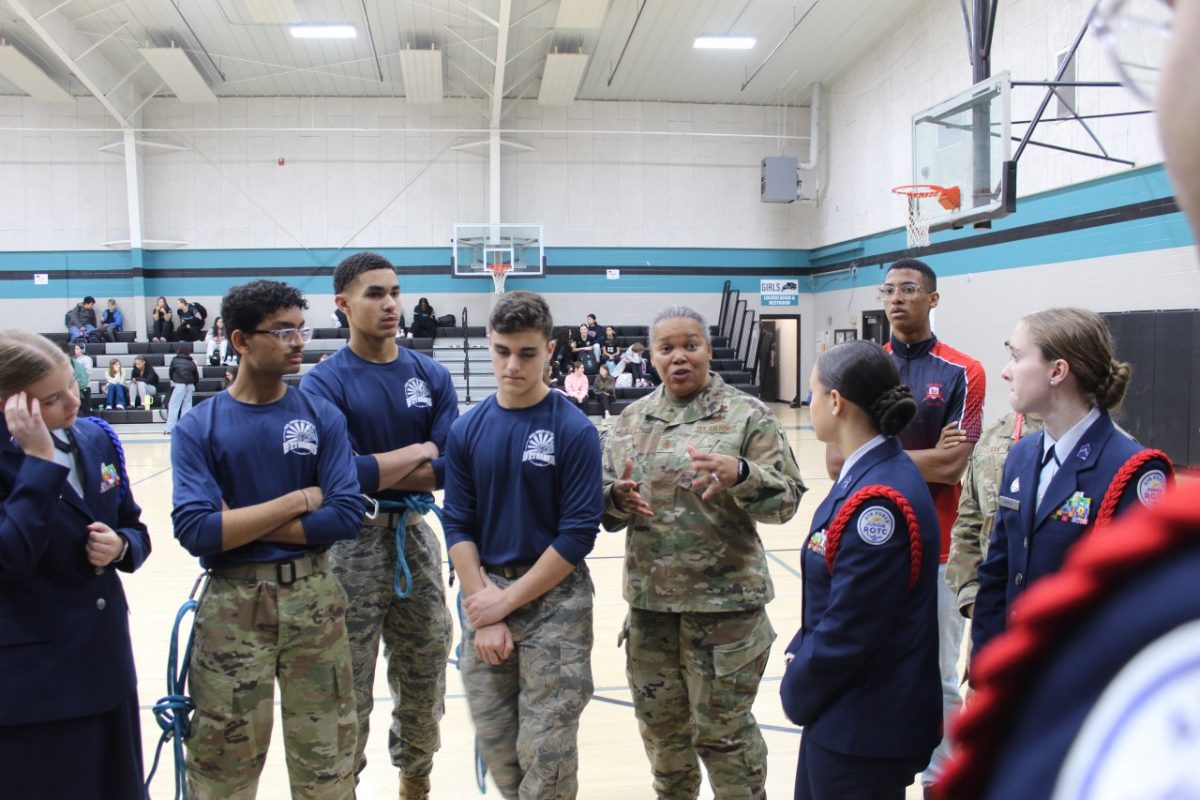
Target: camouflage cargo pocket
column 740, row 665
column 232, row 723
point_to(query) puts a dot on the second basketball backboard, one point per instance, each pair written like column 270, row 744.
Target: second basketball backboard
column 966, row 142
column 479, row 247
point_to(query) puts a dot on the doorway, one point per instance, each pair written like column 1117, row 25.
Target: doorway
column 779, row 357
column 875, row 326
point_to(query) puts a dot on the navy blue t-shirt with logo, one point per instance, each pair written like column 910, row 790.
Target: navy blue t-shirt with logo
column 387, row 406
column 521, row 480
column 242, row 454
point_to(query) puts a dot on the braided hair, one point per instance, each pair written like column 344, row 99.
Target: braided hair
column 863, row 373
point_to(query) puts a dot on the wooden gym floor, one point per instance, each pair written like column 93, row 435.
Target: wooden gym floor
column 612, row 761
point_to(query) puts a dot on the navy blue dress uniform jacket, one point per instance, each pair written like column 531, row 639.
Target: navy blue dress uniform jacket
column 864, row 677
column 1030, row 540
column 64, row 629
column 1150, row 605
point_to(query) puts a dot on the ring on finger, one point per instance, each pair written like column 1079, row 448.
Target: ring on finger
column 715, row 477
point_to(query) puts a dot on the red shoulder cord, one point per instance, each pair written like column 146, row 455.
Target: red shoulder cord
column 1045, row 615
column 1108, row 508
column 833, row 536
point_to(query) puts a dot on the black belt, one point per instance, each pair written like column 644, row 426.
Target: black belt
column 284, row 573
column 510, row 571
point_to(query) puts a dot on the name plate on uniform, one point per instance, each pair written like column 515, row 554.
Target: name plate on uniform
column 1009, row 503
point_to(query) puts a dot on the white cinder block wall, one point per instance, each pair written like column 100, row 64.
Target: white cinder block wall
column 923, row 62
column 593, row 180
column 59, row 191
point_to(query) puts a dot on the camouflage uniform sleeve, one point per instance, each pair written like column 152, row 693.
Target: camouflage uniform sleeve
column 966, row 545
column 613, row 519
column 773, row 489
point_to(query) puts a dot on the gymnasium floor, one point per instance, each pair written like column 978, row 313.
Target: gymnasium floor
column 612, row 761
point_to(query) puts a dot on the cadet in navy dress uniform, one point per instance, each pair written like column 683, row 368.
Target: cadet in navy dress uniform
column 1091, row 693
column 68, row 697
column 863, row 674
column 1079, row 471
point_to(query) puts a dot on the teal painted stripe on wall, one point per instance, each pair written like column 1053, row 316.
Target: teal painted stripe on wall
column 1126, row 188
column 1135, row 236
column 44, row 260
column 634, row 257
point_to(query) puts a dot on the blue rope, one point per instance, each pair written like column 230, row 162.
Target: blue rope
column 480, row 764
column 172, row 713
column 422, row 504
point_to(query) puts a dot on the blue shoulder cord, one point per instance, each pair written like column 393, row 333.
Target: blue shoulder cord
column 173, row 712
column 480, row 764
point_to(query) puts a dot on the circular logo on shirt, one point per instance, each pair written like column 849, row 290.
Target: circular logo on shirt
column 876, row 525
column 1142, row 737
column 1151, row 487
column 416, row 393
column 300, row 436
column 539, row 448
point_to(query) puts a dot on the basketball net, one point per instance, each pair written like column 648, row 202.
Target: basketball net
column 499, row 272
column 918, row 227
column 918, row 221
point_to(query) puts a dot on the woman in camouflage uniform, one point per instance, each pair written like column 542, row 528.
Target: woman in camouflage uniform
column 689, row 470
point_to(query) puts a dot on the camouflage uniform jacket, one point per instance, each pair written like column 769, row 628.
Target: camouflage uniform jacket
column 977, row 505
column 697, row 556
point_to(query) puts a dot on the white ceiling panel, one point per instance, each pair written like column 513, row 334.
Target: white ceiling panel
column 636, row 50
column 561, row 80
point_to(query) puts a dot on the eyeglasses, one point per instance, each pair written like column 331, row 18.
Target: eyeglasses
column 1134, row 34
column 289, row 334
column 887, row 291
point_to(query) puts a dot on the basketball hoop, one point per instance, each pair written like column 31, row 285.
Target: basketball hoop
column 918, row 222
column 499, row 272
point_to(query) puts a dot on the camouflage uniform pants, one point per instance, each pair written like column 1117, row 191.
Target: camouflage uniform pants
column 248, row 634
column 416, row 634
column 694, row 678
column 526, row 711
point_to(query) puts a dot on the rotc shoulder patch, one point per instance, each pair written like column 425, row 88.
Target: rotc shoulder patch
column 1150, row 487
column 876, row 525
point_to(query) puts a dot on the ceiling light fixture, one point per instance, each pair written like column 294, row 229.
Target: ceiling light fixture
column 723, row 42
column 323, row 31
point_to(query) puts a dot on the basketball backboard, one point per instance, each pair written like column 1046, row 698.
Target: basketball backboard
column 966, row 142
column 478, row 246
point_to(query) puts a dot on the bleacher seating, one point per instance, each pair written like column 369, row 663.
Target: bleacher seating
column 462, row 350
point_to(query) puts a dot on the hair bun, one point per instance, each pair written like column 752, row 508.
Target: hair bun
column 894, row 409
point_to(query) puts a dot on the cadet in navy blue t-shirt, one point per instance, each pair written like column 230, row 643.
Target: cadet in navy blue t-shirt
column 264, row 484
column 523, row 505
column 399, row 405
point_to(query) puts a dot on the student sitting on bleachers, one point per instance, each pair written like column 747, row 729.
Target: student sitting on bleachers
column 605, row 389
column 162, row 327
column 632, row 364
column 112, row 320
column 143, row 383
column 114, row 385
column 610, row 351
column 576, row 387
column 424, row 320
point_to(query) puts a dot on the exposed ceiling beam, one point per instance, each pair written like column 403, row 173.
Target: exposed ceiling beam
column 67, row 42
column 502, row 30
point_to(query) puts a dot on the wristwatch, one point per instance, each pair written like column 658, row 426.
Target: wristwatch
column 743, row 471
